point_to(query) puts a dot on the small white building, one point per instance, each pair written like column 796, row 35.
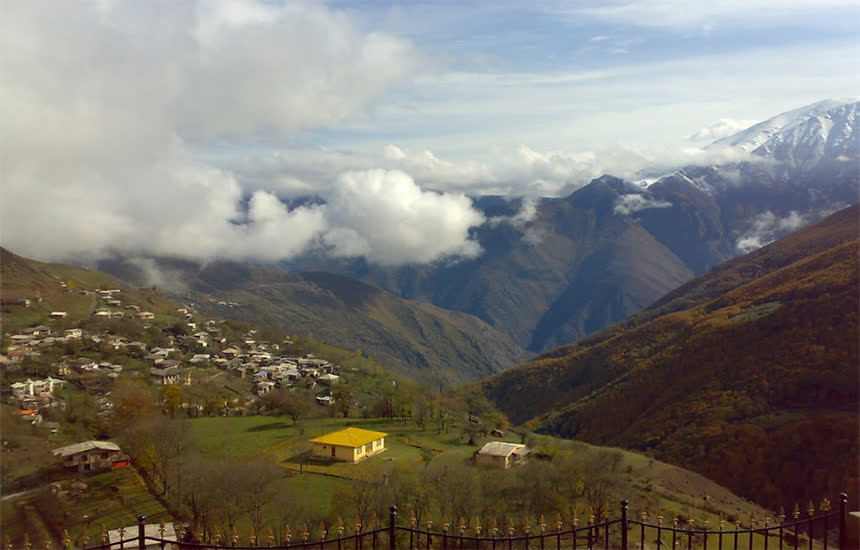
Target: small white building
column 59, row 314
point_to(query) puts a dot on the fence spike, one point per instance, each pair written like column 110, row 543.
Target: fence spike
column 27, row 543
column 558, row 523
column 462, row 526
column 217, row 536
column 252, row 538
column 339, row 527
column 287, row 535
column 8, row 544
column 413, row 521
column 811, row 509
column 180, row 531
column 752, row 519
column 675, row 520
column 510, row 528
column 161, row 528
column 477, row 527
column 542, row 524
column 357, row 524
column 374, row 521
column 429, row 524
column 305, row 533
column 323, row 531
column 270, row 538
column 737, row 524
column 46, row 542
column 796, row 512
column 103, row 532
column 643, row 515
column 722, row 521
column 234, row 537
column 494, row 527
column 526, row 527
column 84, row 538
column 825, row 505
column 781, row 514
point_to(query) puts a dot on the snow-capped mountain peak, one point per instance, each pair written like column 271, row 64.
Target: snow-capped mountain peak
column 826, row 129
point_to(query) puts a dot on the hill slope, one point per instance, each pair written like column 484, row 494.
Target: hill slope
column 414, row 338
column 747, row 375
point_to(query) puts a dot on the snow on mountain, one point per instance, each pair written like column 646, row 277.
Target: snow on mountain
column 824, row 130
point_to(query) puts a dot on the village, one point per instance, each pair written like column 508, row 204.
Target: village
column 66, row 380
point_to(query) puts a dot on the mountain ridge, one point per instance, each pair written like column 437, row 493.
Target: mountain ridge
column 761, row 352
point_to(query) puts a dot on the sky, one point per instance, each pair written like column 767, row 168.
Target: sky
column 183, row 128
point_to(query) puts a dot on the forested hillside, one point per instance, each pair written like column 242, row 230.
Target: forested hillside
column 747, row 374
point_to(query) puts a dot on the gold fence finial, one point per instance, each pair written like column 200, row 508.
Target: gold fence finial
column 494, row 527
column 287, row 534
column 8, row 544
column 84, row 538
column 781, row 514
column 825, row 505
column 413, row 521
column 660, row 517
column 46, row 542
column 323, row 531
column 510, row 528
column 558, row 522
column 27, row 543
column 216, row 534
column 234, row 536
column 357, row 524
column 305, row 533
column 339, row 527
column 643, row 515
column 542, row 524
column 811, row 509
column 252, row 538
column 270, row 537
column 477, row 527
column 796, row 512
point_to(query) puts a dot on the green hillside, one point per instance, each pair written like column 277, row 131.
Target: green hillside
column 747, row 374
column 415, row 338
column 61, row 287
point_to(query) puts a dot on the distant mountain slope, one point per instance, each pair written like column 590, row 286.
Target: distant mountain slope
column 415, row 338
column 576, row 267
column 747, row 375
column 608, row 250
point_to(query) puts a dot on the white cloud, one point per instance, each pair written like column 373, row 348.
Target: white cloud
column 628, row 204
column 767, row 227
column 724, row 128
column 96, row 156
column 690, row 15
column 386, row 217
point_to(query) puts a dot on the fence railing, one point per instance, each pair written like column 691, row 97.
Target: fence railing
column 822, row 529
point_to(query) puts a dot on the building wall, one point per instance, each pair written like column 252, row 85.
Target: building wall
column 347, row 454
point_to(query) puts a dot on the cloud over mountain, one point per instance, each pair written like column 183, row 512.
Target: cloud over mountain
column 105, row 155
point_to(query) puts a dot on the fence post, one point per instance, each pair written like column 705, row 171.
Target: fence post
column 392, row 520
column 843, row 521
column 624, row 504
column 141, row 532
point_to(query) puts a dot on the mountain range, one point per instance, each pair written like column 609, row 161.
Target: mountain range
column 747, row 375
column 577, row 264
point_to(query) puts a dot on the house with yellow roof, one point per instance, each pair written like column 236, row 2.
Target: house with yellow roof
column 348, row 445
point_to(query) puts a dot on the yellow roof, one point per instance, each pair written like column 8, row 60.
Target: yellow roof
column 349, row 437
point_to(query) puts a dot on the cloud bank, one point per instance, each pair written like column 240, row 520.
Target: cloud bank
column 106, row 105
column 629, row 204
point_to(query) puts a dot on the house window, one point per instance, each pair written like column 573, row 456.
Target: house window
column 367, row 448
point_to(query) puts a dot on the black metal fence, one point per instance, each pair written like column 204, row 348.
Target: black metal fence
column 822, row 529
